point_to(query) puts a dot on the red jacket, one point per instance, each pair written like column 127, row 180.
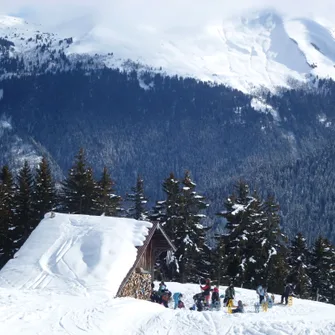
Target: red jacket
column 206, row 289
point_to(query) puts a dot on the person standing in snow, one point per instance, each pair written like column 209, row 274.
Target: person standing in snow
column 261, row 292
column 229, row 294
column 288, row 291
column 215, row 296
column 207, row 290
column 176, row 299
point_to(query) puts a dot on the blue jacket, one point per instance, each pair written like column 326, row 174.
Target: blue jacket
column 260, row 290
column 176, row 296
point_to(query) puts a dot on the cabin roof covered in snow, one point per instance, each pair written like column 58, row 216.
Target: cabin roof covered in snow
column 77, row 253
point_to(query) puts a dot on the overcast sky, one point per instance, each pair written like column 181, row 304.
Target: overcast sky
column 157, row 12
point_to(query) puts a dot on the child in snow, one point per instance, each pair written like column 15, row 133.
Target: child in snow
column 288, row 291
column 229, row 294
column 176, row 299
column 240, row 308
column 216, row 298
column 269, row 300
column 207, row 290
column 261, row 293
column 198, row 302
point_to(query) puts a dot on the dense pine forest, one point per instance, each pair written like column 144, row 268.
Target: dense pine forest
column 252, row 248
column 145, row 123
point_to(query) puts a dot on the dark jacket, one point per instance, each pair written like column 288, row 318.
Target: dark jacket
column 215, row 297
column 288, row 290
column 230, row 293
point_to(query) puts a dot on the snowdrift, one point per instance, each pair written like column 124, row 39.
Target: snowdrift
column 76, row 253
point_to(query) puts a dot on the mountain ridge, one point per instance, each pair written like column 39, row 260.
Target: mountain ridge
column 260, row 50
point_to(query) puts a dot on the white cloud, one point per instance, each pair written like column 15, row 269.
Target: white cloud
column 160, row 13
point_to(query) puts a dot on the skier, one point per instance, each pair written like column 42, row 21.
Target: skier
column 261, row 292
column 207, row 290
column 288, row 291
column 229, row 294
column 176, row 299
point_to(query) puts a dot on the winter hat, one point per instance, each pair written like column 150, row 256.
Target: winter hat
column 216, row 289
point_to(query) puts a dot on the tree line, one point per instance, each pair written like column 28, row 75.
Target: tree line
column 251, row 249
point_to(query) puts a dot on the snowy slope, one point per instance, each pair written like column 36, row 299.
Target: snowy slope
column 260, row 49
column 76, row 253
column 49, row 312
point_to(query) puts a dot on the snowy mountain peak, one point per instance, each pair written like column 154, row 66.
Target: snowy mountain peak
column 258, row 49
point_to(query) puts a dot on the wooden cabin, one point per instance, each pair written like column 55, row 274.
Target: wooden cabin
column 137, row 283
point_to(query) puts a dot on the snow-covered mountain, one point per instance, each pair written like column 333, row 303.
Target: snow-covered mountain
column 63, row 280
column 260, row 49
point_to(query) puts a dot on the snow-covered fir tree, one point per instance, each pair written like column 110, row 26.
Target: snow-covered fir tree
column 79, row 188
column 138, row 200
column 7, row 224
column 44, row 193
column 25, row 222
column 273, row 247
column 171, row 206
column 236, row 239
column 190, row 233
column 107, row 202
column 298, row 261
column 322, row 267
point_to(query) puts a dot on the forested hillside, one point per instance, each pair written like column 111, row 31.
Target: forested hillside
column 144, row 123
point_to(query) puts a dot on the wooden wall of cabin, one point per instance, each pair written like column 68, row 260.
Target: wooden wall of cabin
column 146, row 261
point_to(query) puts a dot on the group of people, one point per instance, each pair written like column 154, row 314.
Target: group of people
column 209, row 298
column 163, row 296
column 265, row 297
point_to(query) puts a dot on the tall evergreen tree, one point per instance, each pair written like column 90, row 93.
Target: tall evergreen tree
column 24, row 209
column 44, row 196
column 138, row 201
column 322, row 270
column 7, row 224
column 298, row 266
column 79, row 188
column 171, row 212
column 190, row 233
column 107, row 201
column 236, row 239
column 273, row 244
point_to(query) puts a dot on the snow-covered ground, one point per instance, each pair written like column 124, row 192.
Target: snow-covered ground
column 248, row 51
column 64, row 278
column 48, row 312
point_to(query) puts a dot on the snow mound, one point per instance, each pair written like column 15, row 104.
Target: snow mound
column 76, row 254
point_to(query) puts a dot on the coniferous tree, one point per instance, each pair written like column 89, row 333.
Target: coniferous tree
column 7, row 224
column 298, row 267
column 24, row 209
column 107, row 201
column 44, row 196
column 273, row 244
column 138, row 200
column 236, row 214
column 171, row 206
column 79, row 188
column 322, row 270
column 190, row 233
